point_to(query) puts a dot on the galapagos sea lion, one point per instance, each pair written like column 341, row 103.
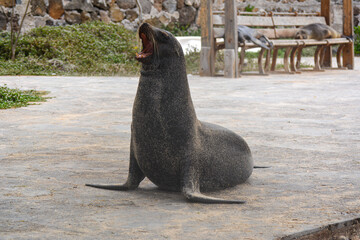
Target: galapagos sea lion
column 169, row 145
column 246, row 33
column 317, row 31
column 249, row 34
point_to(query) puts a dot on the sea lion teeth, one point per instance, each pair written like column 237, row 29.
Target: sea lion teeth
column 147, row 47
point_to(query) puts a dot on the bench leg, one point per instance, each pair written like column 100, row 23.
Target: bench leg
column 207, row 61
column 317, row 58
column 274, row 58
column 267, row 61
column 242, row 59
column 322, row 56
column 292, row 59
column 260, row 65
column 338, row 55
column 286, row 60
column 230, row 62
column 298, row 60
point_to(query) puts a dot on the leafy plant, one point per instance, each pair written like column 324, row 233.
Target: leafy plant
column 249, row 8
column 192, row 59
column 15, row 34
column 93, row 48
column 12, row 98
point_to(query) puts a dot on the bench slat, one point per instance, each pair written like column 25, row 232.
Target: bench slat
column 295, row 42
column 278, row 21
column 245, row 20
column 279, row 33
column 297, row 21
column 270, row 33
column 255, row 21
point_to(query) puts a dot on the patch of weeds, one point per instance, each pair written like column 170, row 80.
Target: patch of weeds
column 308, row 52
column 93, row 48
column 249, row 8
column 249, row 54
column 192, row 59
column 219, row 61
column 357, row 40
column 13, row 98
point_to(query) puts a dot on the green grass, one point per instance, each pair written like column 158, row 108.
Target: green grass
column 93, row 48
column 13, row 98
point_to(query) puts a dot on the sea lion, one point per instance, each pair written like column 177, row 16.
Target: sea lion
column 249, row 34
column 169, row 145
column 317, row 31
column 246, row 33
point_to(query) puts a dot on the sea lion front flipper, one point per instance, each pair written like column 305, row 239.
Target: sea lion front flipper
column 135, row 176
column 191, row 189
column 123, row 187
column 348, row 37
column 258, row 42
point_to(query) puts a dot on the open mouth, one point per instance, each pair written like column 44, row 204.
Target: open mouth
column 148, row 47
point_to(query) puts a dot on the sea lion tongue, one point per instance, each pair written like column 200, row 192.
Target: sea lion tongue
column 148, row 47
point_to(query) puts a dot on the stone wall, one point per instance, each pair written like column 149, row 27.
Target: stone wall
column 125, row 12
column 157, row 12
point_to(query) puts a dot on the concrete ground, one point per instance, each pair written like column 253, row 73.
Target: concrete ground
column 305, row 126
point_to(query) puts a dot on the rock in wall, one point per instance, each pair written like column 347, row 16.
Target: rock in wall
column 157, row 12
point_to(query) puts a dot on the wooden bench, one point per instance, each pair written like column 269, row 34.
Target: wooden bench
column 280, row 28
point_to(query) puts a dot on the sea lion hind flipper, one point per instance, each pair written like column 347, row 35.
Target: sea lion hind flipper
column 197, row 196
column 110, row 187
column 258, row 42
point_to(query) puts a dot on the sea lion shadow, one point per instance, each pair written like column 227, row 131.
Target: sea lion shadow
column 158, row 194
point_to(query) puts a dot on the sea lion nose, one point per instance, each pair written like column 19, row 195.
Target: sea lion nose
column 144, row 25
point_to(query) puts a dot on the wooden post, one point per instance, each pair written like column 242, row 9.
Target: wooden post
column 207, row 53
column 325, row 12
column 348, row 30
column 231, row 40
